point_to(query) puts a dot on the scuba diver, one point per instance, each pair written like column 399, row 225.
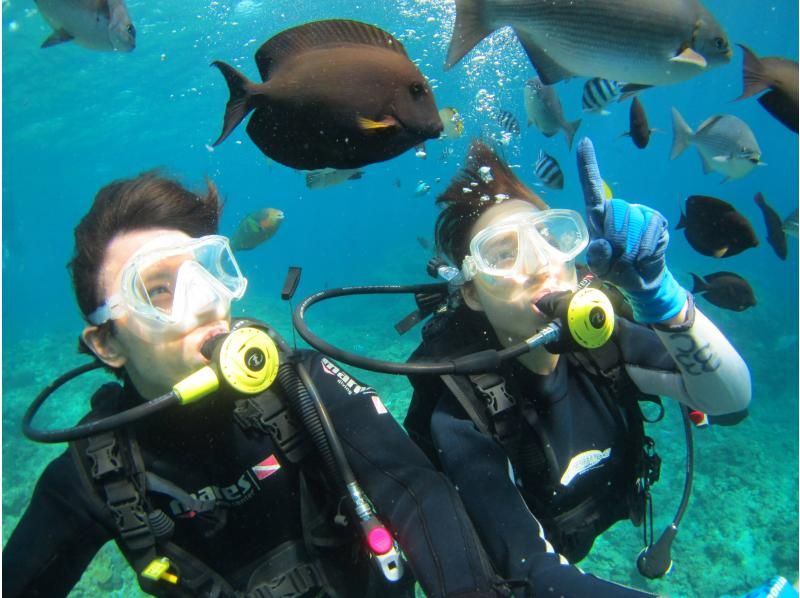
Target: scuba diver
column 222, row 462
column 548, row 450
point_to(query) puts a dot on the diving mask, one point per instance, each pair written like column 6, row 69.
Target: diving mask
column 525, row 243
column 173, row 284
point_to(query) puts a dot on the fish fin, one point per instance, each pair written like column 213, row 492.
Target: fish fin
column 721, row 251
column 604, row 113
column 681, row 221
column 366, row 124
column 569, row 131
column 689, row 56
column 631, row 89
column 470, row 28
column 356, row 175
column 754, row 76
column 59, row 36
column 721, row 158
column 681, row 134
column 550, row 72
column 238, row 106
column 316, row 34
column 699, row 285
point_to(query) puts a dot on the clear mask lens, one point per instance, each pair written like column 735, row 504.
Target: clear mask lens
column 528, row 242
column 170, row 285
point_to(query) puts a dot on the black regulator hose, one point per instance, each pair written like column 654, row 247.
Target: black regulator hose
column 656, row 559
column 468, row 364
column 93, row 427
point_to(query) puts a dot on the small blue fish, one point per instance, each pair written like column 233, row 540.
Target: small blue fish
column 599, row 93
column 508, row 122
column 422, row 189
column 548, row 171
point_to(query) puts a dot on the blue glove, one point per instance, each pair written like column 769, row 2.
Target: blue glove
column 777, row 587
column 627, row 246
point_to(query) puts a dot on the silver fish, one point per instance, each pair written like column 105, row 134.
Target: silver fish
column 544, row 110
column 599, row 93
column 549, row 171
column 94, row 24
column 725, row 142
column 328, row 177
column 790, row 224
column 647, row 42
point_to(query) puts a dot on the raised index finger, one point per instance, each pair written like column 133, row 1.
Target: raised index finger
column 592, row 184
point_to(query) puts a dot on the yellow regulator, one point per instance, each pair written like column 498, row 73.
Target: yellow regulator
column 590, row 318
column 248, row 360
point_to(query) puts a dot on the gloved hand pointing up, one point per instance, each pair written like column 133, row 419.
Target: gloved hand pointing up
column 627, row 247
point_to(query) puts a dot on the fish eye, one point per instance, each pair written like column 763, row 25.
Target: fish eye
column 720, row 43
column 417, row 89
column 131, row 30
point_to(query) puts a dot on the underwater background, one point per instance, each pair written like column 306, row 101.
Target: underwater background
column 75, row 119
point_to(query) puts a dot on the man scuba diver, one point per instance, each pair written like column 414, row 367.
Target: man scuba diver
column 548, row 450
column 208, row 492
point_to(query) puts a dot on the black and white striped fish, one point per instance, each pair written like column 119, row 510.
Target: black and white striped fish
column 599, row 93
column 508, row 122
column 548, row 171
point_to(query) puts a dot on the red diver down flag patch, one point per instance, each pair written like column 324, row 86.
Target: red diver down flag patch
column 266, row 468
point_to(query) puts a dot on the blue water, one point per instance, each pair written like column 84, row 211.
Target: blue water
column 74, row 120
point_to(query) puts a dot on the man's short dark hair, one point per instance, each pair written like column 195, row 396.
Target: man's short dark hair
column 149, row 200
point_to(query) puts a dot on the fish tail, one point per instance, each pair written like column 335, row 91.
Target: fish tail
column 682, row 134
column 469, row 29
column 569, row 131
column 699, row 285
column 754, row 76
column 239, row 105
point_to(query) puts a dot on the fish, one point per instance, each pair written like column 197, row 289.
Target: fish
column 328, row 177
column 646, row 42
column 311, row 111
column 715, row 228
column 599, row 93
column 640, row 129
column 790, row 224
column 545, row 112
column 779, row 76
column 421, row 189
column 776, row 236
column 508, row 122
column 724, row 289
column 452, row 122
column 95, row 24
column 725, row 142
column 255, row 228
column 471, row 181
column 549, row 171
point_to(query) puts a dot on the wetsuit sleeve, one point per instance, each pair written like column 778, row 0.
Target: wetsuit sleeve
column 416, row 502
column 56, row 538
column 510, row 533
column 700, row 368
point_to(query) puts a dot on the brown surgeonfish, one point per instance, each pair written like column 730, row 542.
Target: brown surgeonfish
column 724, row 289
column 336, row 94
column 645, row 42
column 779, row 76
column 775, row 234
column 485, row 177
column 639, row 127
column 714, row 228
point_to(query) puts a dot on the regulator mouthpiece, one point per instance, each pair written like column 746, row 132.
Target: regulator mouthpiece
column 244, row 360
column 590, row 318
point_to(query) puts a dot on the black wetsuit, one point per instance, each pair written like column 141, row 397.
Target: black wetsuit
column 577, row 416
column 204, row 451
